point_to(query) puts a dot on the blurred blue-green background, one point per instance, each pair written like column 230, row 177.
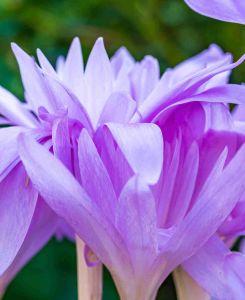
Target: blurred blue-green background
column 167, row 29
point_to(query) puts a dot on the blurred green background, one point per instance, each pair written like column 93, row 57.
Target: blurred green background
column 167, row 29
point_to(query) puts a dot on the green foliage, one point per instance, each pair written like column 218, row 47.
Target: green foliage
column 167, row 29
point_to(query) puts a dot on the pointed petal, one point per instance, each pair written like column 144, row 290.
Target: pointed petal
column 228, row 10
column 200, row 61
column 67, row 100
column 73, row 70
column 122, row 64
column 70, row 201
column 33, row 82
column 187, row 89
column 44, row 63
column 144, row 78
column 215, row 202
column 142, row 146
column 17, row 204
column 94, row 177
column 122, row 61
column 184, row 186
column 98, row 79
column 14, row 110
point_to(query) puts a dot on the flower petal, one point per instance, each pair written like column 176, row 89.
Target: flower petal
column 142, row 146
column 136, row 219
column 187, row 90
column 44, row 63
column 98, row 80
column 73, row 70
column 36, row 90
column 118, row 108
column 215, row 202
column 14, row 110
column 94, row 177
column 70, row 201
column 9, row 149
column 215, row 268
column 17, row 204
column 225, row 10
column 41, row 229
column 61, row 141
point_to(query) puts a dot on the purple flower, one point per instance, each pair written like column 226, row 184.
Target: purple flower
column 145, row 215
column 73, row 105
column 225, row 10
column 155, row 213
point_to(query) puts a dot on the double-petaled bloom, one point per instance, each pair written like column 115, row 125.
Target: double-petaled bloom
column 144, row 197
column 145, row 208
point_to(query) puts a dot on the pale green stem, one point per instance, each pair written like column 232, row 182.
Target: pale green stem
column 127, row 291
column 89, row 278
column 187, row 288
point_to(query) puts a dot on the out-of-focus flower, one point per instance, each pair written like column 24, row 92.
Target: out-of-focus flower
column 225, row 10
column 61, row 104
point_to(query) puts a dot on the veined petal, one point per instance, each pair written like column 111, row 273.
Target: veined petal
column 67, row 100
column 229, row 93
column 142, row 146
column 225, row 10
column 185, row 90
column 61, row 141
column 44, row 63
column 184, row 186
column 71, row 202
column 144, row 77
column 14, row 111
column 94, row 177
column 122, row 62
column 215, row 202
column 239, row 113
column 200, row 61
column 9, row 149
column 73, row 70
column 42, row 227
column 215, row 268
column 218, row 116
column 118, row 108
column 17, row 204
column 33, row 82
column 136, row 220
column 98, row 79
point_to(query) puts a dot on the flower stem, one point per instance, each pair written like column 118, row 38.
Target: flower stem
column 89, row 278
column 2, row 288
column 127, row 291
column 187, row 288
